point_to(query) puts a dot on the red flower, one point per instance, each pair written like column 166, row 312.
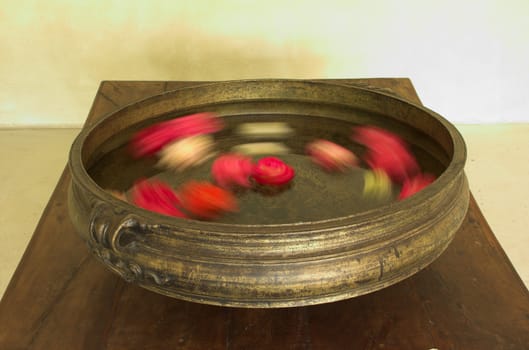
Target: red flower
column 156, row 196
column 330, row 156
column 272, row 171
column 370, row 136
column 415, row 184
column 152, row 139
column 399, row 164
column 387, row 152
column 206, row 200
column 232, row 170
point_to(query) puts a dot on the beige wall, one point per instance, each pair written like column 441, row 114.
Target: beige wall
column 468, row 59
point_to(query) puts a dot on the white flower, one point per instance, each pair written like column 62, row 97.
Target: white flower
column 186, row 152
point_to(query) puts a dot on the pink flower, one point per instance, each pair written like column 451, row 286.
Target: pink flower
column 415, row 184
column 232, row 170
column 206, row 200
column 152, row 139
column 272, row 171
column 330, row 156
column 387, row 152
column 156, row 196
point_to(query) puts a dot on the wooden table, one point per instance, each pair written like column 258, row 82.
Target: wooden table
column 60, row 297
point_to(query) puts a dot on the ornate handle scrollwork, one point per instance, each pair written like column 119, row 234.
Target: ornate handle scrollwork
column 113, row 239
column 110, row 233
column 110, row 230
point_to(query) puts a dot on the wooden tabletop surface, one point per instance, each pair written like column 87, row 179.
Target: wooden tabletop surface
column 60, row 297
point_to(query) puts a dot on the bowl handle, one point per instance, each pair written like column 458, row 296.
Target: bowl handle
column 110, row 232
column 109, row 228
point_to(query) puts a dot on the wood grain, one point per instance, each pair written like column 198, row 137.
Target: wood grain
column 62, row 298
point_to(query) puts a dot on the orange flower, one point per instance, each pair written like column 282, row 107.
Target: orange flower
column 207, row 201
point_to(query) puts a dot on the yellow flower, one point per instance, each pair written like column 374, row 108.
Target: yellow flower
column 377, row 185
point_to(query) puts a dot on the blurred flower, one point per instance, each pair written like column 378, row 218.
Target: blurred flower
column 370, row 136
column 206, row 200
column 261, row 148
column 331, row 156
column 156, row 196
column 186, row 152
column 276, row 130
column 232, row 169
column 377, row 185
column 152, row 139
column 386, row 151
column 415, row 184
column 272, row 171
column 397, row 163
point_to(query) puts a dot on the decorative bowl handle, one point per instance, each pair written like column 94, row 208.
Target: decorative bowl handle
column 113, row 231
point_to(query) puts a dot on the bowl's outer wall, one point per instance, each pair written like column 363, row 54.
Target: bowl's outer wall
column 281, row 265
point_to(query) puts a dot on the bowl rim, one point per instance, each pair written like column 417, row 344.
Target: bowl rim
column 82, row 178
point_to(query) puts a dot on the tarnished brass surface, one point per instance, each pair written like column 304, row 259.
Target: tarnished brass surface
column 290, row 261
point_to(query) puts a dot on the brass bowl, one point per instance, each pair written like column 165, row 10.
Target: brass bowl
column 317, row 247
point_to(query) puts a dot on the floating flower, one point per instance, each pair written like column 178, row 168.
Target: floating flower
column 398, row 164
column 272, row 171
column 232, row 169
column 415, row 184
column 152, row 139
column 331, row 156
column 377, row 185
column 186, row 152
column 276, row 130
column 388, row 152
column 156, row 196
column 207, row 201
column 261, row 148
column 371, row 136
